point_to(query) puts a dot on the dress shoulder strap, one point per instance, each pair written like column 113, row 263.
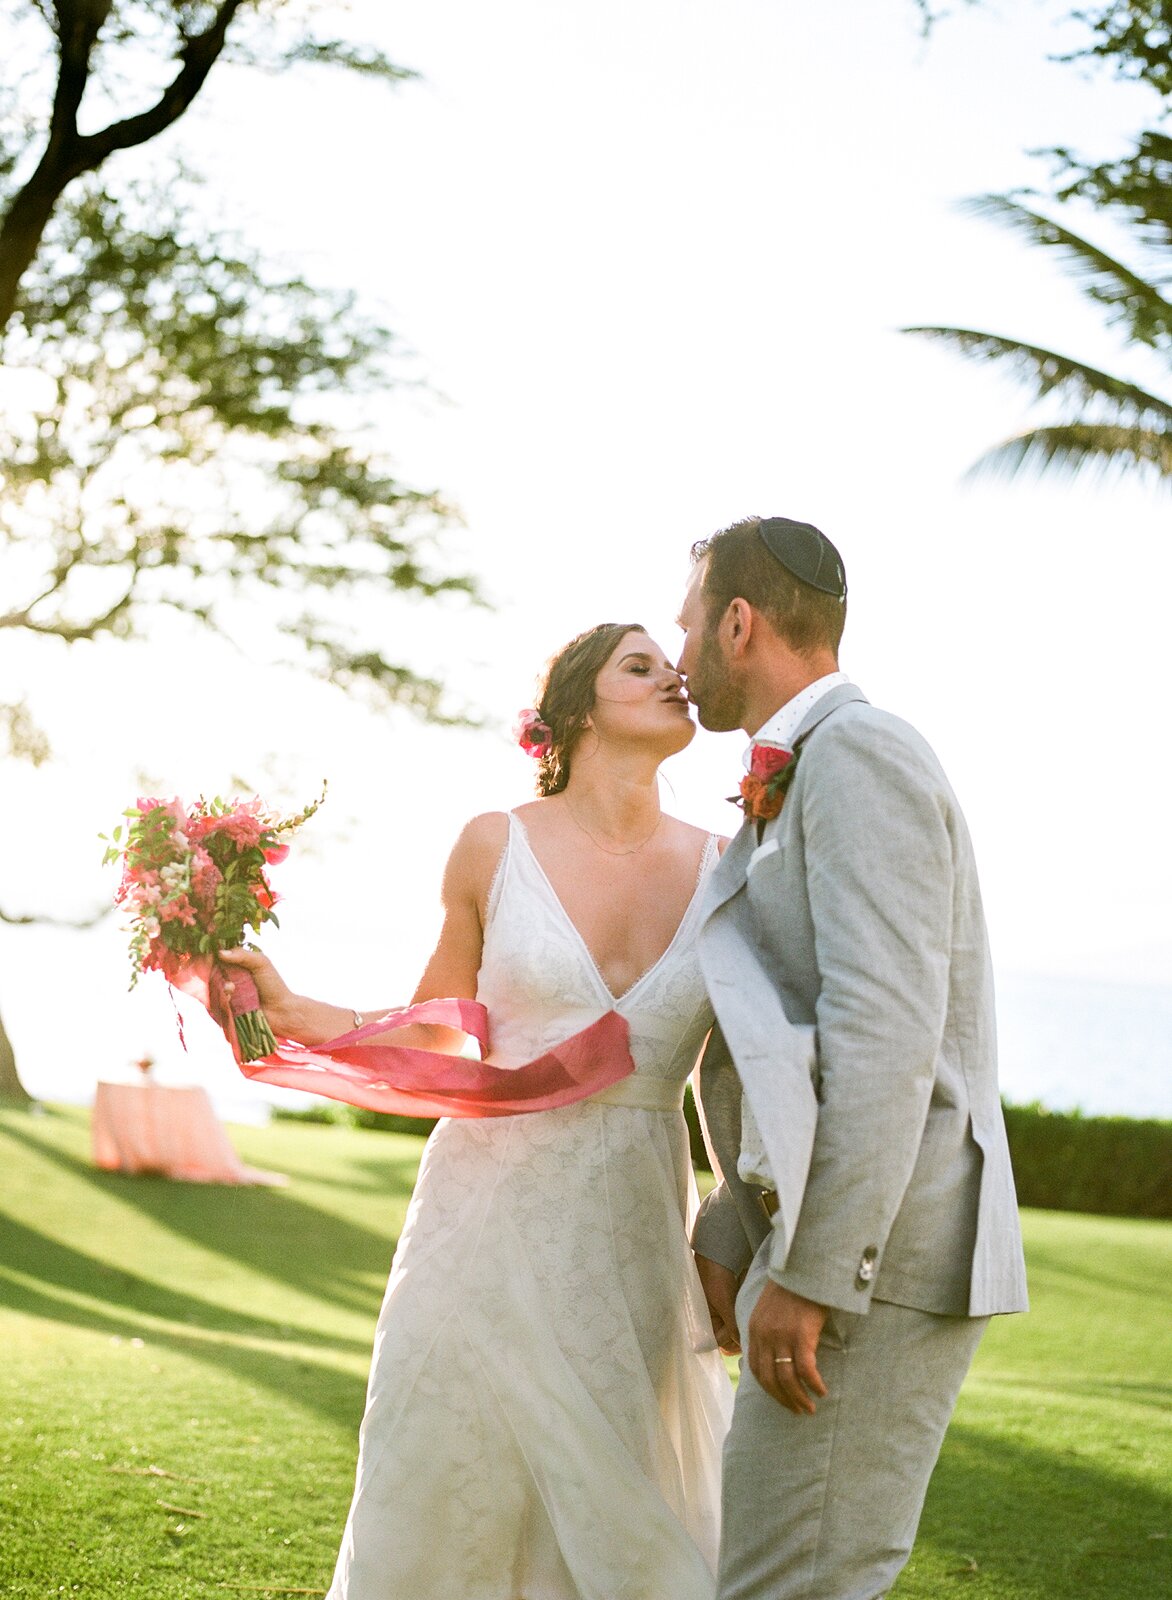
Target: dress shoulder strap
column 496, row 887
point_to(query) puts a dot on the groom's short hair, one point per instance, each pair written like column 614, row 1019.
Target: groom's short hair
column 739, row 563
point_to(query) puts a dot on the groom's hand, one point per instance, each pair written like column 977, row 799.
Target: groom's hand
column 720, row 1290
column 784, row 1330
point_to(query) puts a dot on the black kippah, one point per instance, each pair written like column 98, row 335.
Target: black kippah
column 806, row 552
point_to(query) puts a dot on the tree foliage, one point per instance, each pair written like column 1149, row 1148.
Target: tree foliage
column 1134, row 38
column 1102, row 420
column 178, row 423
column 176, row 452
column 66, row 120
column 179, row 434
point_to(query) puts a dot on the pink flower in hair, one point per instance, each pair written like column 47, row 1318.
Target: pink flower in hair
column 531, row 733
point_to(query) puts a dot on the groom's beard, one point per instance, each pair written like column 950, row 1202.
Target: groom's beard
column 719, row 701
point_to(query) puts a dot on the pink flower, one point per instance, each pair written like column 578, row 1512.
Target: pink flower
column 178, row 910
column 176, row 864
column 205, row 877
column 146, row 805
column 244, row 825
column 531, row 733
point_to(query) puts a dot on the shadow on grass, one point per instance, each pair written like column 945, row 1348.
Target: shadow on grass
column 315, row 1386
column 1055, row 1265
column 34, row 1255
column 1137, row 1392
column 268, row 1231
column 387, row 1176
column 1040, row 1523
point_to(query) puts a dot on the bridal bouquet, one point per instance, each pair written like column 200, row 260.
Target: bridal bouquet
column 193, row 879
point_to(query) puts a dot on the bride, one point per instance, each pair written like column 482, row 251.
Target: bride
column 546, row 1406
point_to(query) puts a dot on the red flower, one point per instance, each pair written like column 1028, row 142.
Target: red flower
column 763, row 788
column 769, row 759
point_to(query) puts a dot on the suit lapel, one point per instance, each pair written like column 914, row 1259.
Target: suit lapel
column 728, row 875
column 775, row 1059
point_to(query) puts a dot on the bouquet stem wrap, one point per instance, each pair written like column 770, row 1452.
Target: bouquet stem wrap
column 418, row 1083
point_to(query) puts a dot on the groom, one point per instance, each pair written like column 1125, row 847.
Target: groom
column 865, row 1203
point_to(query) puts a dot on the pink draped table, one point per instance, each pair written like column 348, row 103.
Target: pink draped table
column 151, row 1128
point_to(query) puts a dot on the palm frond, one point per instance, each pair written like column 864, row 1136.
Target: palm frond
column 1069, row 448
column 1129, row 297
column 1052, row 373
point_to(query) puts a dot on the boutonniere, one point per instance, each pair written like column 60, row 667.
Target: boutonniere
column 764, row 786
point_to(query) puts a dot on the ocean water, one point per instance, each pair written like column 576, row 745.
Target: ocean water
column 1104, row 1048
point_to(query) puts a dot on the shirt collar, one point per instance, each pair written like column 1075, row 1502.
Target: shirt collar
column 786, row 721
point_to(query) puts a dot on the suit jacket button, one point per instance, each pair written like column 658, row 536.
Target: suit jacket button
column 866, row 1272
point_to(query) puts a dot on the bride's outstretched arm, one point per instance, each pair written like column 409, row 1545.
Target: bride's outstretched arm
column 451, row 971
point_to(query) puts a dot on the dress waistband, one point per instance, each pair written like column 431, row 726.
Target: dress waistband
column 643, row 1093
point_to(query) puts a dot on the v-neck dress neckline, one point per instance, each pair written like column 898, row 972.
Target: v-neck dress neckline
column 519, row 831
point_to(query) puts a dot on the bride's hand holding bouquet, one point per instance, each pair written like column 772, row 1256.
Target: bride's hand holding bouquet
column 193, row 880
column 247, row 965
column 296, row 1017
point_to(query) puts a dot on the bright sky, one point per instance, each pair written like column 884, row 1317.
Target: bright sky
column 652, row 259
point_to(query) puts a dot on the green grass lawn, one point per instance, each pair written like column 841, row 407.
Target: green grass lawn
column 183, row 1372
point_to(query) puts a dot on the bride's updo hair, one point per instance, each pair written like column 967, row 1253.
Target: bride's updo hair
column 566, row 697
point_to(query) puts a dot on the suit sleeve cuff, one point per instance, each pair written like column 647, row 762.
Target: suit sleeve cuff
column 843, row 1283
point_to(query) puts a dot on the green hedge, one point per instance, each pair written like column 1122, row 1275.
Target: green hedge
column 1062, row 1161
column 1117, row 1166
column 342, row 1116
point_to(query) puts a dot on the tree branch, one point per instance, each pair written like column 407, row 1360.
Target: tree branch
column 71, row 632
column 199, row 56
column 67, row 154
column 77, row 29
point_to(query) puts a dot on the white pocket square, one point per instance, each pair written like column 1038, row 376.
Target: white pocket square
column 759, row 855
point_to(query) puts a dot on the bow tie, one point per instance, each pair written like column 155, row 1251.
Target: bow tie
column 763, row 788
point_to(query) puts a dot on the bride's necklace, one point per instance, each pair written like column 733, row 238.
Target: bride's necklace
column 606, row 850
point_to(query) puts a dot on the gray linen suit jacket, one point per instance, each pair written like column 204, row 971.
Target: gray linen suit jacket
column 848, row 967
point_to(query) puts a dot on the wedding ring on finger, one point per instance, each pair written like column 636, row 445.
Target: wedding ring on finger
column 781, row 1361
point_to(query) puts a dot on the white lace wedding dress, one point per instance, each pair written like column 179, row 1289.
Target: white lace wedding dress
column 546, row 1409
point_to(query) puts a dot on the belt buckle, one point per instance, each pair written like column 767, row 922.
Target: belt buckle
column 769, row 1202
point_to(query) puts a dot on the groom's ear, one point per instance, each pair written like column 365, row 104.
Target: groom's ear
column 736, row 625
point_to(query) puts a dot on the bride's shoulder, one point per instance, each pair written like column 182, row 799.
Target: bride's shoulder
column 475, row 857
column 693, row 838
column 483, row 835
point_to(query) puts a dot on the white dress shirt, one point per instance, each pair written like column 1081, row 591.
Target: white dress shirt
column 784, row 723
column 752, row 1164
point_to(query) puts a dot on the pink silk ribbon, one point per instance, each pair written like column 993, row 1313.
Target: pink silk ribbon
column 420, row 1083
